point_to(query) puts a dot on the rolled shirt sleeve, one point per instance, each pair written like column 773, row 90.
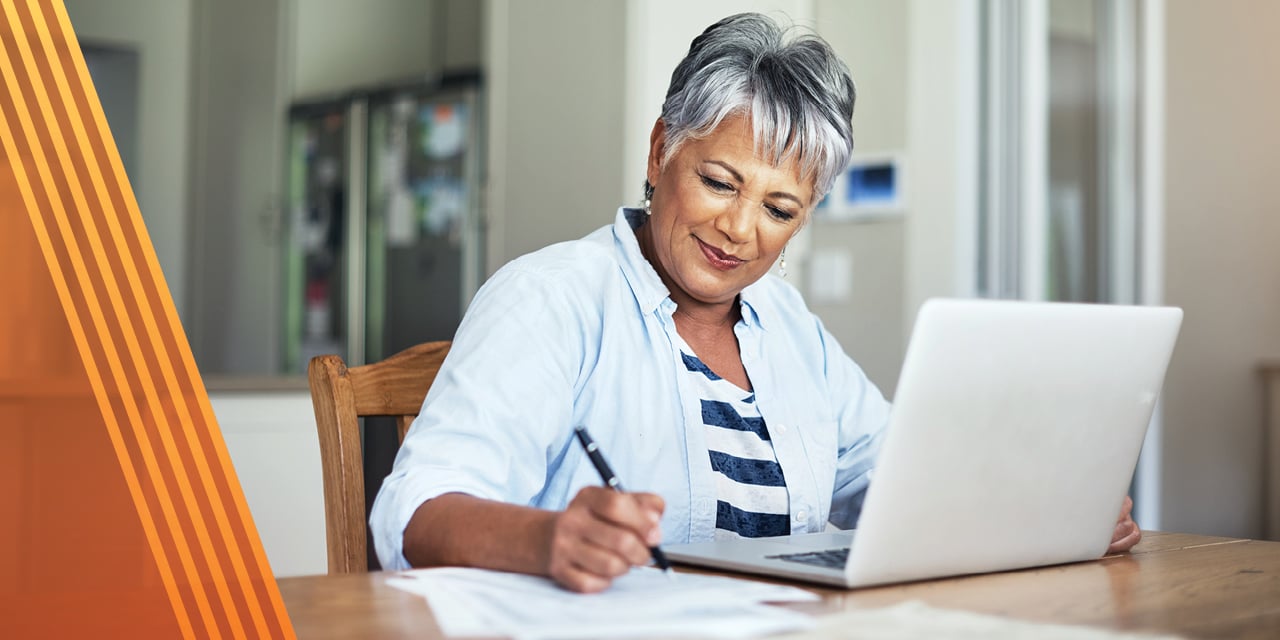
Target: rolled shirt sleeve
column 504, row 394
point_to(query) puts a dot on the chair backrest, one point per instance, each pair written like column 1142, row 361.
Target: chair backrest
column 393, row 387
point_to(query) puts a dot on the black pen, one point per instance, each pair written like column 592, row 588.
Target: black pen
column 611, row 480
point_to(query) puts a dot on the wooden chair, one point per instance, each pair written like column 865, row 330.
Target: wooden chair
column 393, row 387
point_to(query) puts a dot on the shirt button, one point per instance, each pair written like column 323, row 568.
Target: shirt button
column 801, row 515
column 782, row 428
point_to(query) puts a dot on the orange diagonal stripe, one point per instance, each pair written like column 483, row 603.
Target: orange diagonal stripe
column 94, row 306
column 14, row 155
column 240, row 511
column 126, row 331
column 192, row 512
column 77, row 329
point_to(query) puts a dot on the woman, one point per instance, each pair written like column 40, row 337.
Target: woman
column 706, row 380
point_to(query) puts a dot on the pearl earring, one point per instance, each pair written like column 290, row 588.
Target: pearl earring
column 782, row 263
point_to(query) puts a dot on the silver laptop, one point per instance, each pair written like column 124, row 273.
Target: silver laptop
column 1013, row 438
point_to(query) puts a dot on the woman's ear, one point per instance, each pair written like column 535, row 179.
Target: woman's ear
column 657, row 145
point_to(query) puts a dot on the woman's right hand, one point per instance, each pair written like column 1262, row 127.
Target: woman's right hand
column 601, row 535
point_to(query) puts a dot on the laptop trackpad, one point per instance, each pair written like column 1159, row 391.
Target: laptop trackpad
column 773, row 545
column 816, row 541
column 758, row 548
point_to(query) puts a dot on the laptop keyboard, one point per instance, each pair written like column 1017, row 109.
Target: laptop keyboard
column 829, row 558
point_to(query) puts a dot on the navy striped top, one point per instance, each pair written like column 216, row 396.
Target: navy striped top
column 751, row 493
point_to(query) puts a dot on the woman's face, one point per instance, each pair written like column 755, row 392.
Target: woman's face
column 721, row 214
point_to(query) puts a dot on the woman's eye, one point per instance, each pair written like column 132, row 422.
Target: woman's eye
column 716, row 185
column 779, row 213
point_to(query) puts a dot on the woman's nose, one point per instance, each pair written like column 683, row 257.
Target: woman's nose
column 735, row 221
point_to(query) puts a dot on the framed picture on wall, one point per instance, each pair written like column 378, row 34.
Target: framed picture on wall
column 872, row 187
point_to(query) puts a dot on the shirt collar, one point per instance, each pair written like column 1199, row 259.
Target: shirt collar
column 644, row 280
column 749, row 299
column 648, row 288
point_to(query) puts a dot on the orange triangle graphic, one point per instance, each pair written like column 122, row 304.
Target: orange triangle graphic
column 120, row 512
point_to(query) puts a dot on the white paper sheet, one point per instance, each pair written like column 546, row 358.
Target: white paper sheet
column 912, row 620
column 644, row 603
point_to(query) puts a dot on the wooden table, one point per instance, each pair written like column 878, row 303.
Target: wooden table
column 1196, row 586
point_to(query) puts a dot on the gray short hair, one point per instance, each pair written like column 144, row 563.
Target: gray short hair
column 797, row 92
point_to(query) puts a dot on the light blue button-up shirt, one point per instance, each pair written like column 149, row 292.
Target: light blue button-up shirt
column 581, row 333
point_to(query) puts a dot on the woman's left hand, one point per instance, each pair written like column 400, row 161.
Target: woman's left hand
column 1127, row 532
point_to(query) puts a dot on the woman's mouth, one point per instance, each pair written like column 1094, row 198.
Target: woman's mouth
column 718, row 258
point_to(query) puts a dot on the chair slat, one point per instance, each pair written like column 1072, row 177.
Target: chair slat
column 402, row 426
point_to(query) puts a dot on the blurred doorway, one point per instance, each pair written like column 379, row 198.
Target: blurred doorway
column 114, row 71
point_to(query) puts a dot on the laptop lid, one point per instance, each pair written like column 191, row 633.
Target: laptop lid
column 1015, row 432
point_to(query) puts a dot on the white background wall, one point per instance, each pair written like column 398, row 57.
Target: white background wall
column 873, row 37
column 1222, row 199
column 942, row 137
column 554, row 71
column 338, row 45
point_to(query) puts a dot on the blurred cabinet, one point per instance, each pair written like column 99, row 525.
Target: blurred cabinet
column 270, row 434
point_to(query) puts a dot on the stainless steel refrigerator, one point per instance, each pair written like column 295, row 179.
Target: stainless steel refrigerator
column 386, row 234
